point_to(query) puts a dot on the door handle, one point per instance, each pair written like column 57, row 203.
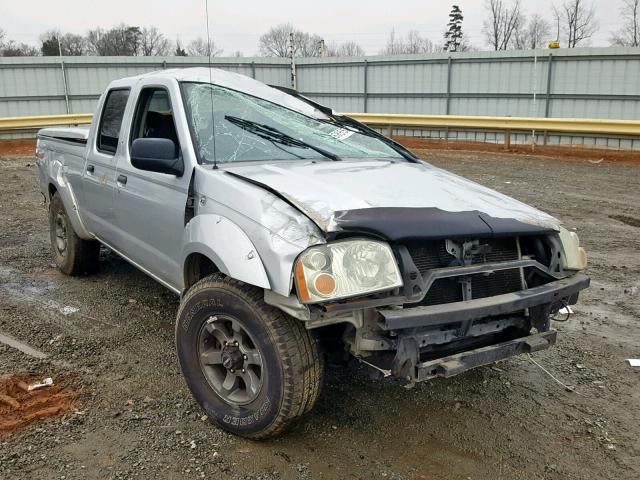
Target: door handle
column 90, row 168
column 122, row 179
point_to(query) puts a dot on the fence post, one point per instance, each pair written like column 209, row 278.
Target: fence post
column 547, row 105
column 64, row 84
column 448, row 100
column 507, row 140
column 365, row 93
column 253, row 70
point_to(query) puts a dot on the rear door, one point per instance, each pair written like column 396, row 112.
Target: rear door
column 99, row 174
column 150, row 206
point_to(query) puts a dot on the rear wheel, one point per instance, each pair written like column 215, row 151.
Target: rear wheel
column 252, row 368
column 72, row 254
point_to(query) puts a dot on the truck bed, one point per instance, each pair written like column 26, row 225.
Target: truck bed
column 72, row 134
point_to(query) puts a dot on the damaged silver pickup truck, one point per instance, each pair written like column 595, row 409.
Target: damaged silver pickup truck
column 292, row 233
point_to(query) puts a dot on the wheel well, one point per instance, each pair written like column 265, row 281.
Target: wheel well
column 196, row 267
column 52, row 190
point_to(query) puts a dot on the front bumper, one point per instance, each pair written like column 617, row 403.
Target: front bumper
column 460, row 362
column 470, row 310
column 475, row 332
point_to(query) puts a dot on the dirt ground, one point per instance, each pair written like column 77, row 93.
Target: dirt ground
column 22, row 402
column 134, row 417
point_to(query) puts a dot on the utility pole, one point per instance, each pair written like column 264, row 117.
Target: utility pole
column 293, row 62
column 322, row 48
column 64, row 74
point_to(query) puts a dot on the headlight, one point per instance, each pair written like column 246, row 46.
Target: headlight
column 345, row 269
column 575, row 256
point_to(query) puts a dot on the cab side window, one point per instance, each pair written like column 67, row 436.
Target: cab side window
column 111, row 120
column 154, row 117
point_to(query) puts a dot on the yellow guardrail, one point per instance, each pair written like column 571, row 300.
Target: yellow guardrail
column 558, row 125
column 31, row 123
column 453, row 122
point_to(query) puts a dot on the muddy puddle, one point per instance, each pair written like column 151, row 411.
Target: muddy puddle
column 20, row 406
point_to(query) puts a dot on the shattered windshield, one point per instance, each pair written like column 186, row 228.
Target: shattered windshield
column 232, row 142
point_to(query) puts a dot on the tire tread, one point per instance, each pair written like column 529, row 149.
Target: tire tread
column 82, row 255
column 302, row 363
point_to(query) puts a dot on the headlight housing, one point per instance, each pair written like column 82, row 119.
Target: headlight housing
column 345, row 268
column 575, row 256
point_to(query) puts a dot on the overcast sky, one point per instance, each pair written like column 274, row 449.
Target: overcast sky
column 237, row 25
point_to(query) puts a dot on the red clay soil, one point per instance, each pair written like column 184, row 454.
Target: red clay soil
column 568, row 153
column 19, row 407
column 27, row 147
column 18, row 148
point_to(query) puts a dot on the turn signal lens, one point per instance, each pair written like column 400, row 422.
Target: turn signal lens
column 583, row 257
column 325, row 284
column 575, row 258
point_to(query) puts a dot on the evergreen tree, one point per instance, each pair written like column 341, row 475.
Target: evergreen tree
column 453, row 35
column 180, row 52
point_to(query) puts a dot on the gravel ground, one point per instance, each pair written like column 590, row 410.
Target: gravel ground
column 110, row 335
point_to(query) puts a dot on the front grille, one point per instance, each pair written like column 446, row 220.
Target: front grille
column 433, row 254
column 430, row 255
column 444, row 290
column 502, row 250
column 497, row 283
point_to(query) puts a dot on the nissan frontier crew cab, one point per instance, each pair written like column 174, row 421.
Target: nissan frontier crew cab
column 292, row 233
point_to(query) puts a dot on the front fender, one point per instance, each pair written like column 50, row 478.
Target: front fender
column 226, row 245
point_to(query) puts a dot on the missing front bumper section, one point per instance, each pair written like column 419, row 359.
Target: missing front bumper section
column 460, row 362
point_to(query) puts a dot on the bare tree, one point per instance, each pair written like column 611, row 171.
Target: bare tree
column 532, row 34
column 275, row 42
column 54, row 43
column 346, row 49
column 121, row 40
column 153, row 43
column 501, row 23
column 578, row 21
column 629, row 34
column 200, row 48
column 412, row 43
column 11, row 48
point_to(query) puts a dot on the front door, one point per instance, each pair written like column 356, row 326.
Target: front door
column 150, row 206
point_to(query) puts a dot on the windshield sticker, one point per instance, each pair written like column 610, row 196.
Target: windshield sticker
column 341, row 133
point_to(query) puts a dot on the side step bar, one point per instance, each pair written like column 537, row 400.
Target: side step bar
column 460, row 362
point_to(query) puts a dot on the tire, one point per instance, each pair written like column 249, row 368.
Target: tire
column 287, row 369
column 72, row 254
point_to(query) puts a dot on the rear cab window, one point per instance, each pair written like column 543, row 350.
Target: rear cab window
column 111, row 120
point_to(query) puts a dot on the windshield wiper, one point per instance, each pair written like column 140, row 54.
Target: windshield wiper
column 359, row 127
column 274, row 135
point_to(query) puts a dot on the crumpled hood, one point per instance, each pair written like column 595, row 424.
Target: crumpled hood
column 325, row 191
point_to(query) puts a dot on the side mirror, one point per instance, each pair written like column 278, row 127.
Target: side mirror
column 156, row 155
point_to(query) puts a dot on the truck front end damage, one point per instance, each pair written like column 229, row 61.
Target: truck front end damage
column 473, row 289
column 421, row 284
column 463, row 303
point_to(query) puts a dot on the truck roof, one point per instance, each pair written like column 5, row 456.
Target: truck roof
column 227, row 79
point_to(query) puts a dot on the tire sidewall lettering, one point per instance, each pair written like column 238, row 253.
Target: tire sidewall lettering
column 238, row 419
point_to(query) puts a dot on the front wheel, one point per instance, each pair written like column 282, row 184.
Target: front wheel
column 252, row 368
